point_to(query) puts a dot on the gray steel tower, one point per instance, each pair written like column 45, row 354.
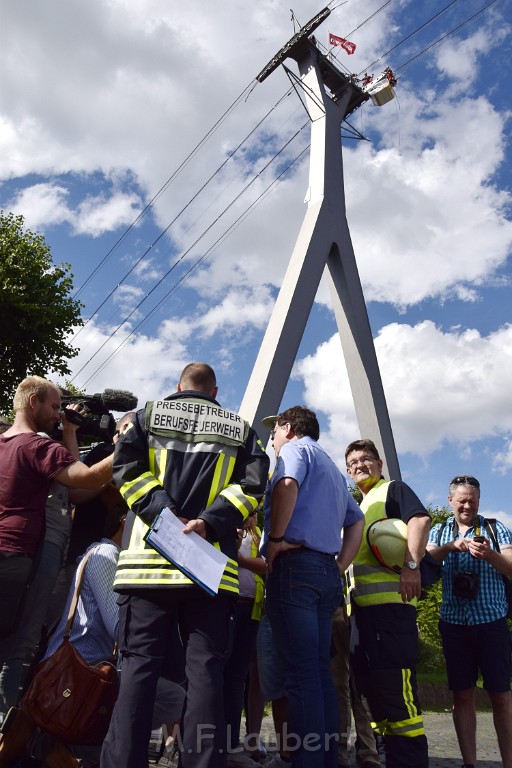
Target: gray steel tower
column 324, row 240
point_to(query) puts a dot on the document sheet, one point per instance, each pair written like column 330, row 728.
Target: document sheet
column 193, row 555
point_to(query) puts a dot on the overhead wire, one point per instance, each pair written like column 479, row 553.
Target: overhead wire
column 200, row 260
column 445, row 36
column 176, row 217
column 250, row 208
column 187, row 251
column 349, row 34
column 418, row 29
column 163, row 188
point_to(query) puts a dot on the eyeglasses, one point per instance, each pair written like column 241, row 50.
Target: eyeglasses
column 272, row 434
column 465, row 480
column 363, row 460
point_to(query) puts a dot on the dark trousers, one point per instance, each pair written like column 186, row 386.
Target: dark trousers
column 146, row 622
column 383, row 657
column 237, row 668
column 15, row 570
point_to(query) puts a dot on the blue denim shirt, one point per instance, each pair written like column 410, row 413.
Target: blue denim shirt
column 490, row 603
column 324, row 504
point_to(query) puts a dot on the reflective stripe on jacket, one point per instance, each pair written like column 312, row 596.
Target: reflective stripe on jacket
column 370, row 583
column 200, row 460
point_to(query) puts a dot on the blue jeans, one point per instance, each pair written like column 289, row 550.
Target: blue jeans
column 303, row 591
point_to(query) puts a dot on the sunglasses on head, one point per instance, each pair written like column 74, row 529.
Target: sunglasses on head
column 465, row 480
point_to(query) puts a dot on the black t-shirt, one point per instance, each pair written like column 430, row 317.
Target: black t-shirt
column 402, row 502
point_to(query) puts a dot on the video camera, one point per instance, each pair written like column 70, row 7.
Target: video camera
column 95, row 420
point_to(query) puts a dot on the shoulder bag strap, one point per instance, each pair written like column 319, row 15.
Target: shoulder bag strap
column 76, row 593
column 490, row 526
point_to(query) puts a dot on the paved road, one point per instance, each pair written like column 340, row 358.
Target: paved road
column 443, row 747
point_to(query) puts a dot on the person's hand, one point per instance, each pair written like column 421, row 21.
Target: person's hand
column 274, row 549
column 479, row 549
column 461, row 545
column 82, row 412
column 198, row 526
column 410, row 584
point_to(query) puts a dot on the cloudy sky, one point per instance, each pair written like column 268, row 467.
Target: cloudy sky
column 135, row 138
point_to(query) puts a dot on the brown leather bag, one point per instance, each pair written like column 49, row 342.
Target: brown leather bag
column 67, row 697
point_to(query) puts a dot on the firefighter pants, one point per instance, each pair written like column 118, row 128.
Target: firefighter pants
column 146, row 621
column 383, row 655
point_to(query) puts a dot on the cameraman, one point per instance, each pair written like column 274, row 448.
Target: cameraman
column 473, row 621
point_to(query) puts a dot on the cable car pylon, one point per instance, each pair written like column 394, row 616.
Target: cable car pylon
column 323, row 241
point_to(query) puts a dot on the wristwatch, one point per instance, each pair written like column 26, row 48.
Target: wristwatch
column 411, row 565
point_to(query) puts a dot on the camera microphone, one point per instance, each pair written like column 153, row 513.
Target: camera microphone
column 118, row 400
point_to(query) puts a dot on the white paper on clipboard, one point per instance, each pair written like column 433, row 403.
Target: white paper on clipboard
column 193, row 555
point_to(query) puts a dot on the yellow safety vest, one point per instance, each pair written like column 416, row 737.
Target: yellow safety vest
column 369, row 582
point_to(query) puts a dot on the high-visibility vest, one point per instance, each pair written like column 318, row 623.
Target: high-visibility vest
column 259, row 597
column 141, row 566
column 369, row 582
column 204, row 467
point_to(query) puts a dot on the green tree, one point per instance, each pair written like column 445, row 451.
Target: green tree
column 36, row 310
column 429, row 608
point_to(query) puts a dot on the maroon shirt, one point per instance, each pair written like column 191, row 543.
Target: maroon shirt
column 28, row 464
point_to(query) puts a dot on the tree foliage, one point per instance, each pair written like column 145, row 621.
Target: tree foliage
column 37, row 312
column 430, row 605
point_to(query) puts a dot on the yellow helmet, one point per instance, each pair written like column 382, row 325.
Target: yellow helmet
column 387, row 540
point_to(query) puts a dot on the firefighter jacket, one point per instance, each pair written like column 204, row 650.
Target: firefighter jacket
column 370, row 583
column 203, row 461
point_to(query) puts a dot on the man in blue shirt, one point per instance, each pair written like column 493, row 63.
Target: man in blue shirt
column 307, row 510
column 473, row 622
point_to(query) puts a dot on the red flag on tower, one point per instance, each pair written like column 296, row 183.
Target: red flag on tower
column 345, row 44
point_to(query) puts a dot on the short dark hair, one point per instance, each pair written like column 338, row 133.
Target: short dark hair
column 199, row 377
column 303, row 421
column 363, row 445
column 113, row 519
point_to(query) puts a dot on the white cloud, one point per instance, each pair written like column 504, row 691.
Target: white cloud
column 503, row 459
column 140, row 86
column 47, row 204
column 97, row 215
column 42, row 205
column 147, row 367
column 458, row 58
column 441, row 387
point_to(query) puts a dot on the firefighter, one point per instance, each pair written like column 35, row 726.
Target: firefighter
column 384, row 635
column 208, row 466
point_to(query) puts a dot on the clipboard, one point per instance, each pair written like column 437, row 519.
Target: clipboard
column 195, row 557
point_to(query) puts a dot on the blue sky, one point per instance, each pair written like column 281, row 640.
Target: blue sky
column 101, row 103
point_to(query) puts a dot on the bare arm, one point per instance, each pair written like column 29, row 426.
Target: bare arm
column 255, row 564
column 284, row 498
column 352, row 535
column 418, row 529
column 442, row 552
column 78, row 475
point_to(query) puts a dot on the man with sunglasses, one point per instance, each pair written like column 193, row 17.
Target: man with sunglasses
column 473, row 624
column 384, row 634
